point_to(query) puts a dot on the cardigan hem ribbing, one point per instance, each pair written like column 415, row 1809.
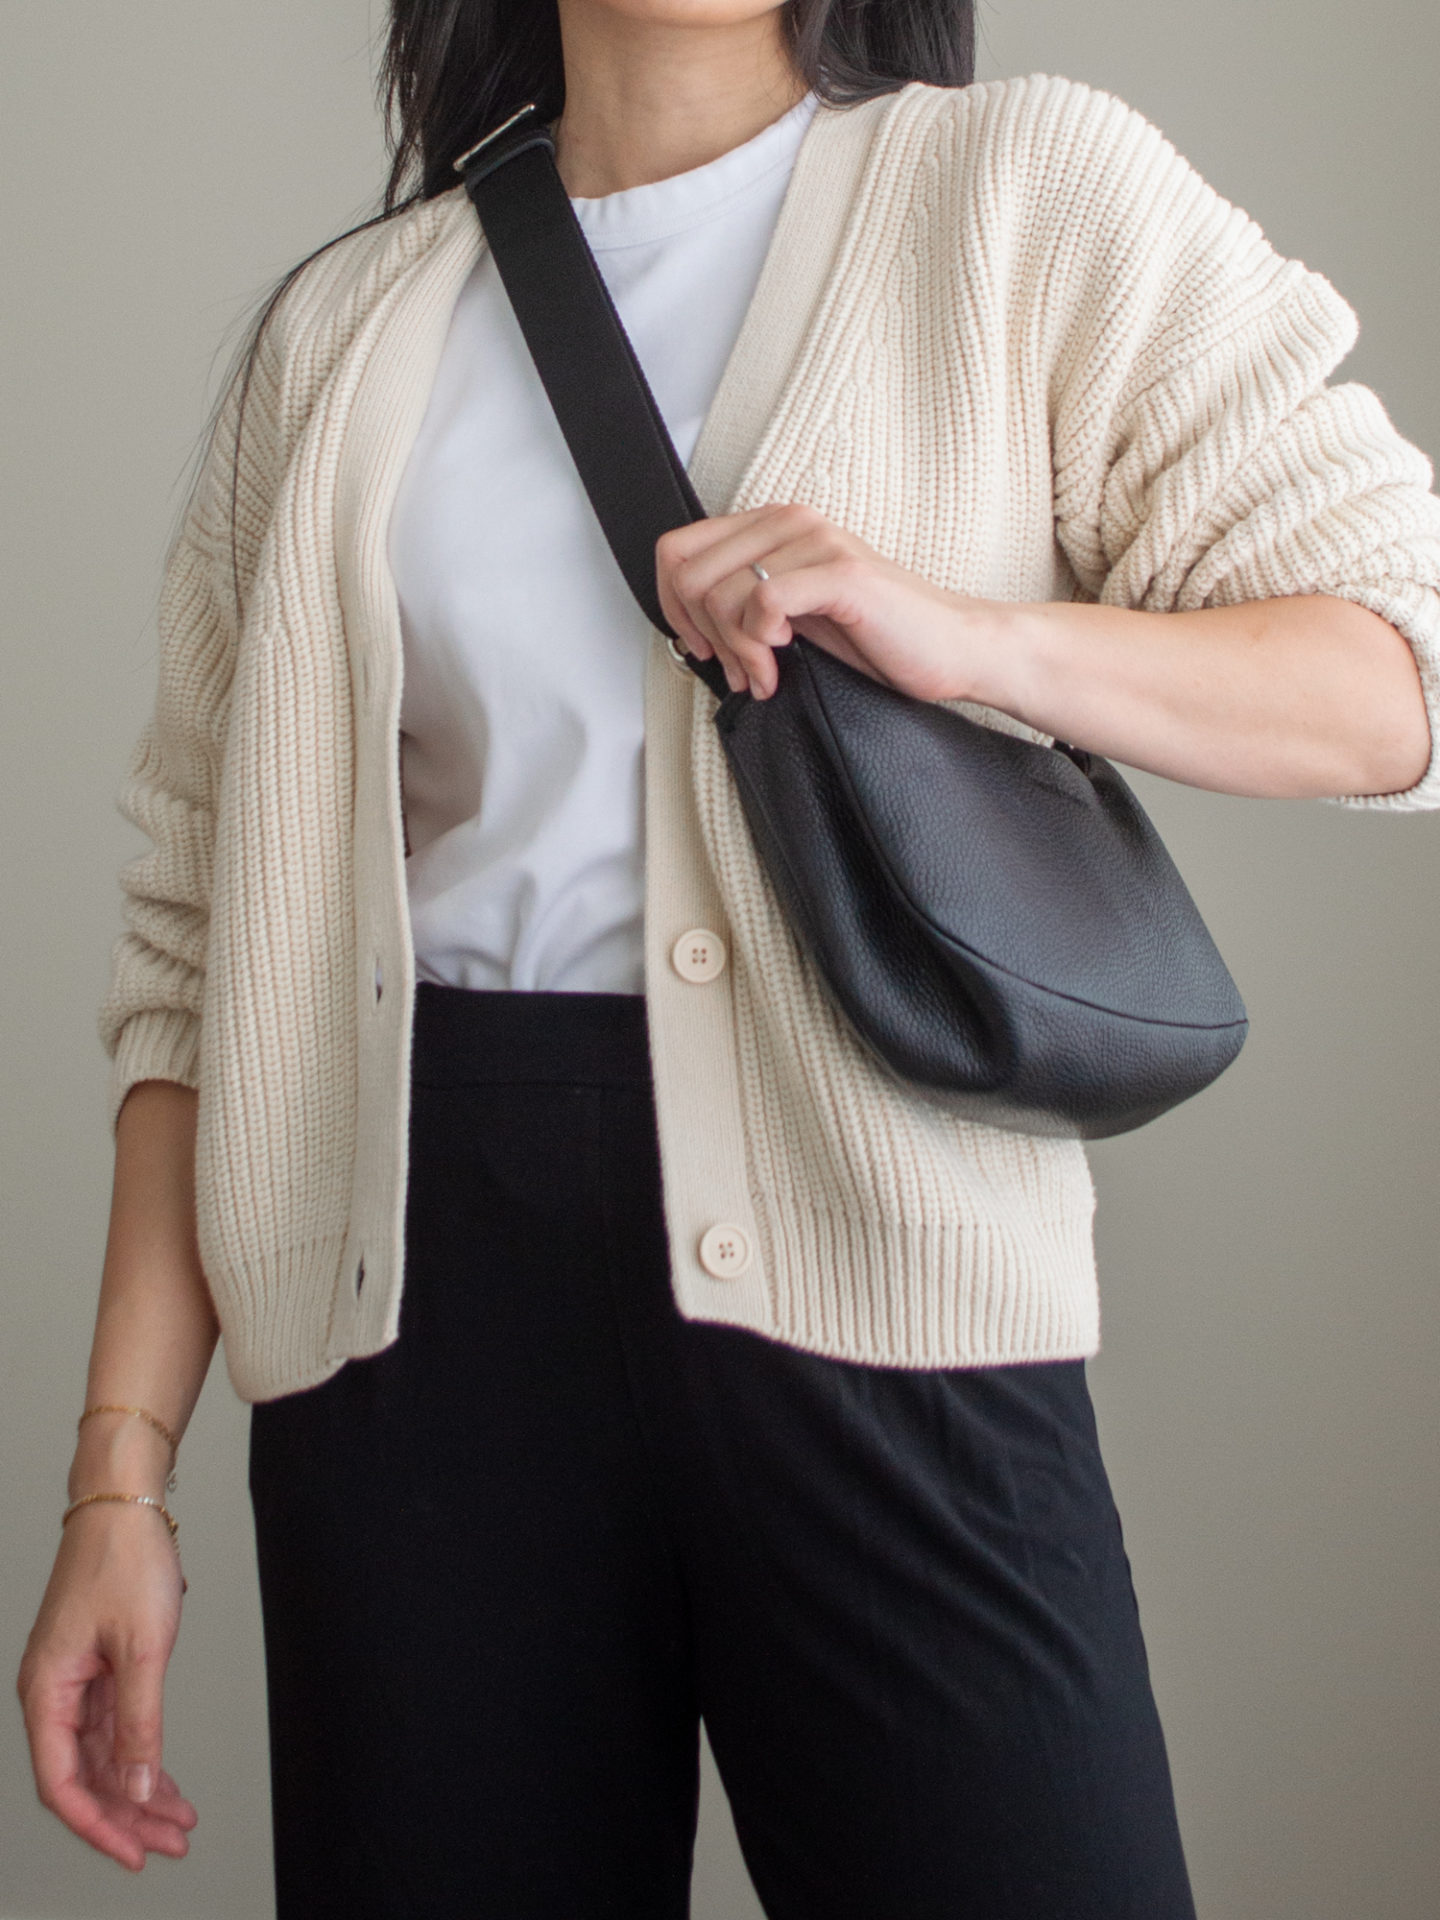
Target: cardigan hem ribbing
column 922, row 1296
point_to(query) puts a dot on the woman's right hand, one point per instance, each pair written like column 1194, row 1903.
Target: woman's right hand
column 92, row 1681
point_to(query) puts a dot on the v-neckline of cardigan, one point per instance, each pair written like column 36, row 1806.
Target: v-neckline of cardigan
column 803, row 263
column 399, row 350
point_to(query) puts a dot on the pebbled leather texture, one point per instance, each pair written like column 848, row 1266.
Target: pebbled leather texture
column 999, row 922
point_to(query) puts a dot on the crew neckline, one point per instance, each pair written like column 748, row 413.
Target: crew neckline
column 634, row 216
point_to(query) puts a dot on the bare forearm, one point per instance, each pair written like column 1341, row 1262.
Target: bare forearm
column 155, row 1330
column 92, row 1679
column 1294, row 698
column 1299, row 698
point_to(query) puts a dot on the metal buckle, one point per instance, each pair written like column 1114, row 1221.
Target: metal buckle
column 494, row 134
column 679, row 659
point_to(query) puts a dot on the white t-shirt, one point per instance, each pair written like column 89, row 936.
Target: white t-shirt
column 522, row 718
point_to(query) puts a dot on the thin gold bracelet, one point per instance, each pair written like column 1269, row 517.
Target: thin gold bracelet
column 127, row 1499
column 134, row 1500
column 135, row 1413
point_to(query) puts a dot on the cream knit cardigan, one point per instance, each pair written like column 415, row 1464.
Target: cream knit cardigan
column 1004, row 334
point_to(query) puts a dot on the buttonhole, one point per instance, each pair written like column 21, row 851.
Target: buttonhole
column 379, row 983
column 359, row 1279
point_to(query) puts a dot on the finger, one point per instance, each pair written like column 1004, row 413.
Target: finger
column 765, row 536
column 74, row 1803
column 161, row 1836
column 743, row 619
column 692, row 561
column 170, row 1804
column 743, row 623
column 115, row 1825
column 682, row 543
column 139, row 1669
column 675, row 549
column 54, row 1715
column 98, row 1825
column 694, row 632
column 752, row 617
column 821, row 602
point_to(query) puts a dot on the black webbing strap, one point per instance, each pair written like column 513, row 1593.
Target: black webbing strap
column 626, row 459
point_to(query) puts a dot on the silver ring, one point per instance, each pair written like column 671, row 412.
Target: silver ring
column 758, row 571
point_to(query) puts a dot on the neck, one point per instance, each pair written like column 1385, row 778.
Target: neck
column 645, row 99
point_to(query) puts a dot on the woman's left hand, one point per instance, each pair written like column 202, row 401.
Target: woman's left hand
column 825, row 584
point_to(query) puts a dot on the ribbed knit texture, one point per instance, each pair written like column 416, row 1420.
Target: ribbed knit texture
column 1004, row 334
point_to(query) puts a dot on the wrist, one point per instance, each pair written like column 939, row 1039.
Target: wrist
column 86, row 1511
column 1030, row 652
column 1001, row 641
column 120, row 1454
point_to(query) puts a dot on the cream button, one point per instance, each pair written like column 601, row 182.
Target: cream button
column 725, row 1253
column 698, row 956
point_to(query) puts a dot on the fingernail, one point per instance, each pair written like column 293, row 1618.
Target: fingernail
column 139, row 1783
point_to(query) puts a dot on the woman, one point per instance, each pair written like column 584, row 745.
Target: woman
column 554, row 1451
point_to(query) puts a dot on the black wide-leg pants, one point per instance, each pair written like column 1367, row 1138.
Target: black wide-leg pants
column 508, row 1563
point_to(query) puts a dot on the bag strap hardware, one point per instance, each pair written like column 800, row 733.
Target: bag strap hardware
column 494, row 134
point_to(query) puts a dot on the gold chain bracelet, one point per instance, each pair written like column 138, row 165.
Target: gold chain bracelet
column 135, row 1413
column 127, row 1499
column 133, row 1500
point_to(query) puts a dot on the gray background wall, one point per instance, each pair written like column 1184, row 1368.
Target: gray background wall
column 1268, row 1387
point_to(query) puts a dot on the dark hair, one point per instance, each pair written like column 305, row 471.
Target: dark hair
column 454, row 68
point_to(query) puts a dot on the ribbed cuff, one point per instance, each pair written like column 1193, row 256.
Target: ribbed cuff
column 1414, row 611
column 162, row 1043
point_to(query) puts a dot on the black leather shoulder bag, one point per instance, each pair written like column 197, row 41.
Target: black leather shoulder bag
column 998, row 921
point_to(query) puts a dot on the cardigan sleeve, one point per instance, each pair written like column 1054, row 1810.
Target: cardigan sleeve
column 1202, row 459
column 150, row 1018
